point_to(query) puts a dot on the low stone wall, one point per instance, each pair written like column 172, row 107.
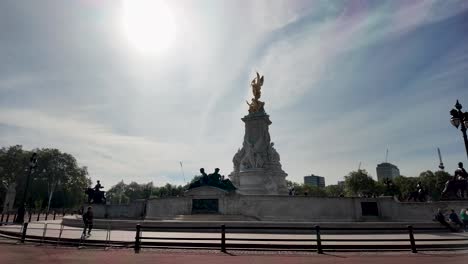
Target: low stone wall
column 281, row 208
column 303, row 208
column 134, row 210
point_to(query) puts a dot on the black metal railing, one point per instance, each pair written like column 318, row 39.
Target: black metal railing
column 312, row 238
column 313, row 243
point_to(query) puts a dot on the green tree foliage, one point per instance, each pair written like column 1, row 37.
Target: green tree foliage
column 434, row 183
column 335, row 190
column 306, row 189
column 405, row 185
column 57, row 177
column 122, row 193
column 359, row 183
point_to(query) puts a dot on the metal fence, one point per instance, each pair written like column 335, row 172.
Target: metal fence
column 314, row 242
column 230, row 237
column 37, row 215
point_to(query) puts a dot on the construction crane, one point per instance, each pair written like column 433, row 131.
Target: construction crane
column 441, row 165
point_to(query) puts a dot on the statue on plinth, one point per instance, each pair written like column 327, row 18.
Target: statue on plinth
column 257, row 167
column 214, row 179
column 458, row 185
column 256, row 105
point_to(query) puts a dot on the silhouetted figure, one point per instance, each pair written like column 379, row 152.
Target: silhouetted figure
column 98, row 187
column 204, row 178
column 460, row 172
column 457, row 185
column 214, row 180
column 88, row 221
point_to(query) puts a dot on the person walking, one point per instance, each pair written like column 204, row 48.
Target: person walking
column 88, row 221
column 464, row 218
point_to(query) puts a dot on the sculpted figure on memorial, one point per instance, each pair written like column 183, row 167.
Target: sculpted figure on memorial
column 256, row 84
column 274, row 155
column 238, row 159
column 270, row 184
column 256, row 105
column 248, row 161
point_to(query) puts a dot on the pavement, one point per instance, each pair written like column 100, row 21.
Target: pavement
column 37, row 255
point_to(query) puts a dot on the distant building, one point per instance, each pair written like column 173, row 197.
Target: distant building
column 315, row 180
column 387, row 171
column 340, row 183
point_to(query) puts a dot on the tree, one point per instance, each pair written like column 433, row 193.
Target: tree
column 405, row 185
column 56, row 172
column 434, row 183
column 358, row 183
column 334, row 190
column 125, row 193
column 13, row 161
column 314, row 191
column 116, row 194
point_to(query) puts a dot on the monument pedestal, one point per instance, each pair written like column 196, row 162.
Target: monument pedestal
column 257, row 167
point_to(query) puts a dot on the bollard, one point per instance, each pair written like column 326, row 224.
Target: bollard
column 23, row 235
column 7, row 217
column 223, row 238
column 137, row 239
column 411, row 237
column 1, row 221
column 14, row 218
column 63, row 211
column 54, row 214
column 47, row 214
column 38, row 214
column 44, row 233
column 30, row 215
column 319, row 240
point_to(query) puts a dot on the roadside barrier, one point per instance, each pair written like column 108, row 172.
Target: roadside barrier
column 313, row 242
column 227, row 237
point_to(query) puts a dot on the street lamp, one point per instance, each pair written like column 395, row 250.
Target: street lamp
column 22, row 209
column 460, row 119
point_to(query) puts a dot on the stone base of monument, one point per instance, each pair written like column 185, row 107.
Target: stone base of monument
column 211, row 206
column 260, row 182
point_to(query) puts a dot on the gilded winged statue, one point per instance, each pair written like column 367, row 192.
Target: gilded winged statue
column 256, row 105
column 256, row 84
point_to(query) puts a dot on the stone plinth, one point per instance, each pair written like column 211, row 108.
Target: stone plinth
column 257, row 167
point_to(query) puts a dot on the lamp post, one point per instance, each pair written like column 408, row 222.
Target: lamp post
column 22, row 209
column 460, row 118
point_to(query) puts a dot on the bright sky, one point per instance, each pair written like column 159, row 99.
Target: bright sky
column 131, row 88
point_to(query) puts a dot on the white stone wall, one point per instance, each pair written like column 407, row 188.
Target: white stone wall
column 282, row 208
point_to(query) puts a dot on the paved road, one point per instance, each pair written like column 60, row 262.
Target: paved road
column 50, row 255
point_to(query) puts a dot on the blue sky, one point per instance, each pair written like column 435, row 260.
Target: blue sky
column 344, row 80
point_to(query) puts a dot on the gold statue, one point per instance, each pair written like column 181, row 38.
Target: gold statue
column 256, row 84
column 256, row 105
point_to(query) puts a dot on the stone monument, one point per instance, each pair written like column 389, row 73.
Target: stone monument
column 257, row 167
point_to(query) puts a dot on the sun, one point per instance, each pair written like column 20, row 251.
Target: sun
column 149, row 25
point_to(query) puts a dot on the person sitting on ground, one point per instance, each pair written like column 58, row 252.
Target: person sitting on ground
column 464, row 218
column 454, row 219
column 88, row 221
column 441, row 219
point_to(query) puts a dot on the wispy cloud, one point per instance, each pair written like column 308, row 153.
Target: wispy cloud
column 344, row 81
